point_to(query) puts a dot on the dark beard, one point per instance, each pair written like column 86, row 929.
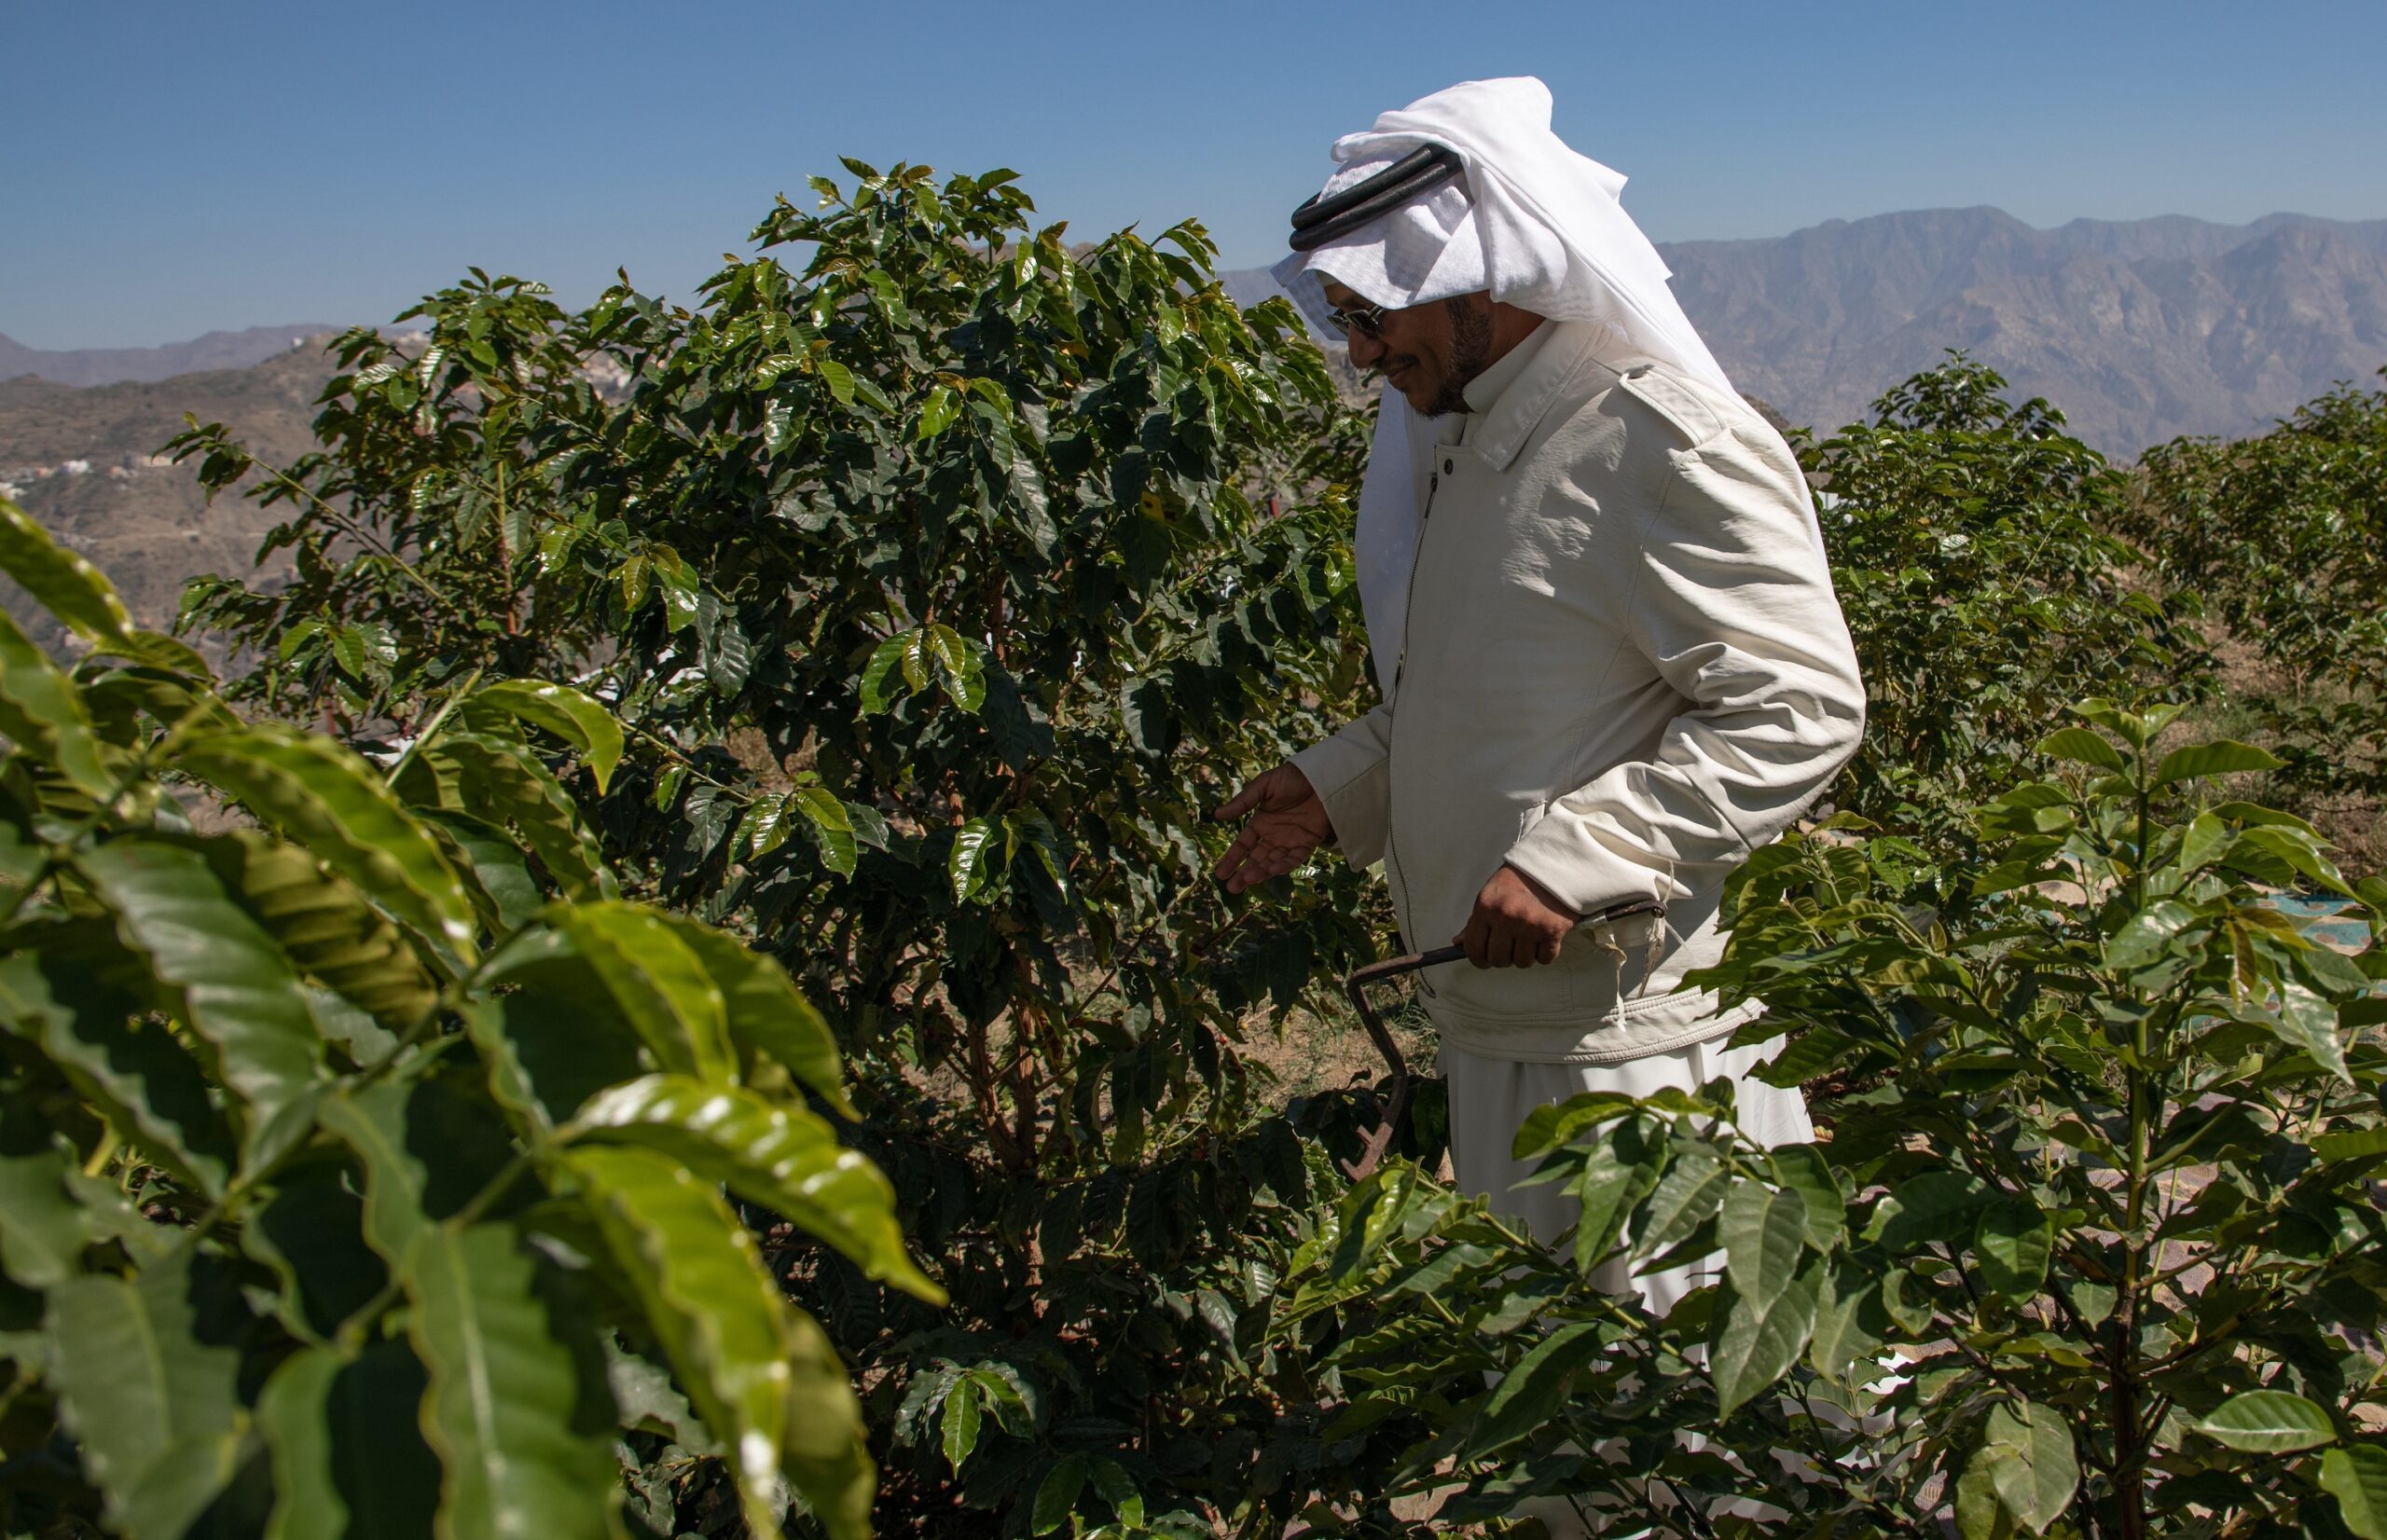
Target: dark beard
column 1470, row 350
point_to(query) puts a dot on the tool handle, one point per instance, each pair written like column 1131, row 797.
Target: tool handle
column 1356, row 985
column 1392, row 967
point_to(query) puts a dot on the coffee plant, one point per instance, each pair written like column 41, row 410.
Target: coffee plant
column 999, row 560
column 2103, row 1254
column 366, row 1165
column 2284, row 534
column 1971, row 550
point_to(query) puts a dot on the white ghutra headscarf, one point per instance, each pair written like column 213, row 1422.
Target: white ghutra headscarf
column 1529, row 220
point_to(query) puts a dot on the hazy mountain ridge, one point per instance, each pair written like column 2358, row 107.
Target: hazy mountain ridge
column 115, row 365
column 2140, row 330
column 83, row 462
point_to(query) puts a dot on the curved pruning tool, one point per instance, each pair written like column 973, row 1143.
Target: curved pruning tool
column 1356, row 985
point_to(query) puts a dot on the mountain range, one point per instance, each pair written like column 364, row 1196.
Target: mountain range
column 2138, row 330
column 117, row 366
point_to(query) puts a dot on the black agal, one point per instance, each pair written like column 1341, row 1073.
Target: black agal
column 1420, row 172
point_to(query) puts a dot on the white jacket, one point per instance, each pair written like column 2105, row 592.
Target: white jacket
column 1624, row 669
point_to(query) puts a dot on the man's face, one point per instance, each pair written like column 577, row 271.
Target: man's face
column 1428, row 352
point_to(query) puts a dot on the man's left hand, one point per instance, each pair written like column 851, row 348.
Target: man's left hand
column 1516, row 923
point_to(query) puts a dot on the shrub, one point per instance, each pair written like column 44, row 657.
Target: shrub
column 361, row 1157
column 1970, row 550
column 2102, row 1255
column 2287, row 534
column 1001, row 560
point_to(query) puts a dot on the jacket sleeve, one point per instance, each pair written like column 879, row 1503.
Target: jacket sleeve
column 1732, row 604
column 1350, row 772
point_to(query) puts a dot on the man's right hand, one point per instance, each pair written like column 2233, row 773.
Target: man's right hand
column 1288, row 822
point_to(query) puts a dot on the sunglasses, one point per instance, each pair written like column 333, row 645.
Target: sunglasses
column 1366, row 320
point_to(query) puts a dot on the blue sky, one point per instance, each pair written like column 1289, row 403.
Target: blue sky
column 172, row 169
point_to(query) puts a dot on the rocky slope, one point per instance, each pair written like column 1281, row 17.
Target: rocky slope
column 111, row 365
column 83, row 463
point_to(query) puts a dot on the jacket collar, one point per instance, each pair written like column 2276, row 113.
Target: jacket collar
column 1562, row 351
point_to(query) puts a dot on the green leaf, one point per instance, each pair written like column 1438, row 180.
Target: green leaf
column 505, row 1407
column 1851, row 1326
column 2011, row 1243
column 1685, row 1198
column 1936, row 1206
column 157, row 1410
column 2352, row 1144
column 573, row 715
column 766, row 826
column 767, row 1013
column 43, row 713
column 1119, row 1490
column 2268, row 1422
column 237, row 990
column 975, row 854
column 833, row 829
column 839, row 380
column 880, row 675
column 1756, row 1340
column 2083, row 747
column 1532, row 1391
column 662, row 988
column 2035, row 1482
column 938, row 410
column 2207, row 840
column 1764, row 1233
column 1554, row 1124
column 1980, row 1513
column 679, row 588
column 2356, row 1477
column 2222, row 757
column 2147, row 937
column 962, row 664
column 960, row 1422
column 310, row 1230
column 1057, row 1495
column 428, row 1147
column 325, row 797
column 78, row 594
column 1616, row 1174
column 2130, row 726
column 550, row 1030
column 1033, row 508
column 498, row 781
column 497, row 875
column 2302, row 1019
column 62, row 993
column 1806, row 1170
column 650, row 1402
column 1034, row 832
column 349, row 1457
column 326, row 929
column 42, row 1233
column 780, row 1158
column 749, row 1363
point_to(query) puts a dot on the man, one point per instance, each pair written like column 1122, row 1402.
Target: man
column 1600, row 612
